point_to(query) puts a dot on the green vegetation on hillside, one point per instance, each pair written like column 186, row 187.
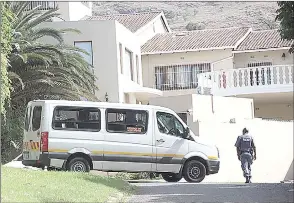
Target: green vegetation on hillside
column 201, row 15
column 22, row 185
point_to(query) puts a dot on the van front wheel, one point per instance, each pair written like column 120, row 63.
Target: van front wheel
column 194, row 171
column 171, row 177
column 78, row 164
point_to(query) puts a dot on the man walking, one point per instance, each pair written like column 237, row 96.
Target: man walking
column 246, row 152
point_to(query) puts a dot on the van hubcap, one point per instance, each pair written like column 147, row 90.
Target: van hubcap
column 194, row 172
column 78, row 167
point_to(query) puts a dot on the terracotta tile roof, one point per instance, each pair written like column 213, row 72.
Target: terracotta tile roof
column 131, row 21
column 194, row 40
column 265, row 39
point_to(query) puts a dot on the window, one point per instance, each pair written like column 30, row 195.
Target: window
column 129, row 63
column 179, row 76
column 137, row 68
column 36, row 120
column 183, row 116
column 27, row 118
column 169, row 124
column 87, row 46
column 127, row 121
column 257, row 64
column 77, row 118
column 121, row 58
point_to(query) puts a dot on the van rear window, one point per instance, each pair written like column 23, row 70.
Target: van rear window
column 76, row 118
column 127, row 121
column 36, row 120
column 27, row 118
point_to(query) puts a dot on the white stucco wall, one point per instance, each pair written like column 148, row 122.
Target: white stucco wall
column 242, row 59
column 128, row 41
column 274, row 143
column 77, row 10
column 73, row 11
column 206, row 108
column 150, row 30
column 104, row 45
column 149, row 62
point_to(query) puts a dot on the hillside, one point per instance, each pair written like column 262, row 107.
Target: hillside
column 200, row 15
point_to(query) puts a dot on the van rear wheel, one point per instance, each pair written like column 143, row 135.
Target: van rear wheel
column 194, row 171
column 170, row 177
column 78, row 164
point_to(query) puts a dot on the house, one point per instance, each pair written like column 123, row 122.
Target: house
column 230, row 62
column 205, row 75
column 138, row 58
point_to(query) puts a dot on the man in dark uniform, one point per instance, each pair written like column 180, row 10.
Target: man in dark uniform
column 246, row 152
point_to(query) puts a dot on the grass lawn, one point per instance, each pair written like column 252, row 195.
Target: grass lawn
column 21, row 185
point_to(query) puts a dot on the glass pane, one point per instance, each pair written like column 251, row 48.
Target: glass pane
column 87, row 46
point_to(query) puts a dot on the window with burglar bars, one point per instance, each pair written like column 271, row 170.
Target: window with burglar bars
column 257, row 64
column 44, row 5
column 177, row 77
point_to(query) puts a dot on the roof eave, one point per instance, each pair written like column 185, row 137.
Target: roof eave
column 187, row 50
column 260, row 50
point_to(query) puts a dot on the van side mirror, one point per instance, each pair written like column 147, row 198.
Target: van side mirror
column 186, row 132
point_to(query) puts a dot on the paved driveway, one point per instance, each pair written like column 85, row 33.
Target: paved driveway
column 187, row 192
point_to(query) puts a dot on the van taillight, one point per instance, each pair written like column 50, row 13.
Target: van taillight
column 44, row 141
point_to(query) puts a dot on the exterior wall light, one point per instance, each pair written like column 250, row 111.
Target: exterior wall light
column 283, row 56
column 106, row 97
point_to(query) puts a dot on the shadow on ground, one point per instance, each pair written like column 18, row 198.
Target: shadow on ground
column 187, row 192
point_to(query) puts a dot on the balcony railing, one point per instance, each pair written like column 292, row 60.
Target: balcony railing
column 248, row 80
column 44, row 5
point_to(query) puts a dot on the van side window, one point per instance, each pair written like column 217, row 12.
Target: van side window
column 36, row 120
column 169, row 124
column 126, row 121
column 76, row 118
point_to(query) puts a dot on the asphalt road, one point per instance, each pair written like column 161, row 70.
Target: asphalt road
column 187, row 192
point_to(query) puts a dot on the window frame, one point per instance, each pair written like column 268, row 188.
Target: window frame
column 174, row 123
column 126, row 132
column 27, row 118
column 32, row 116
column 91, row 54
column 74, row 129
column 161, row 73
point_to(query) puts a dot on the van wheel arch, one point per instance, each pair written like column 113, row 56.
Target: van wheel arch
column 79, row 154
column 196, row 158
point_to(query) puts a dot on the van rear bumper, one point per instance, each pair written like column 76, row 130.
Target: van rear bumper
column 42, row 162
column 213, row 166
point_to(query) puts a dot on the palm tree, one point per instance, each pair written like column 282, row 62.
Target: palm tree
column 39, row 69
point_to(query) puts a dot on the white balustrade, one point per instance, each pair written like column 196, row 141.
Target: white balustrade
column 247, row 80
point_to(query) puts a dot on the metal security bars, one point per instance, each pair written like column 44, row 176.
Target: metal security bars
column 177, row 77
column 44, row 5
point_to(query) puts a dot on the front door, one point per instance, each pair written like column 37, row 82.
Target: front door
column 170, row 146
column 128, row 140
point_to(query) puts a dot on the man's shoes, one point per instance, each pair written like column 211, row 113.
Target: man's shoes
column 248, row 179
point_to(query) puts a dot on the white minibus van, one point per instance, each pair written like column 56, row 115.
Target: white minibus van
column 81, row 136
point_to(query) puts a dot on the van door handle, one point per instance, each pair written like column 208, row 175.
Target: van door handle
column 161, row 140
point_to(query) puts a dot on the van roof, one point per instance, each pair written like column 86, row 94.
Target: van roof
column 101, row 104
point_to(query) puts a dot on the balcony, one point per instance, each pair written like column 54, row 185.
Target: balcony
column 254, row 80
column 43, row 5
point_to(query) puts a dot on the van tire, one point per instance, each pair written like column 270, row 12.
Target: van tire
column 194, row 171
column 78, row 164
column 171, row 177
